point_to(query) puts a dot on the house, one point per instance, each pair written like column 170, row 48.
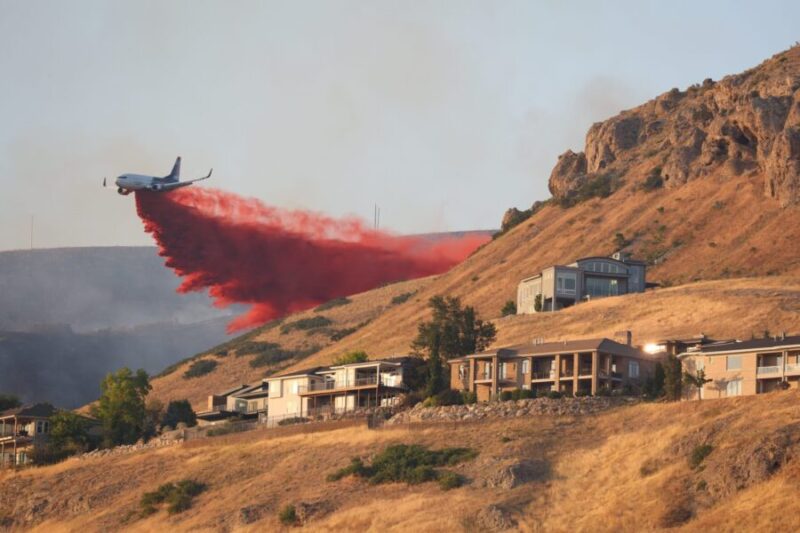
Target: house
column 559, row 286
column 738, row 368
column 321, row 391
column 566, row 366
column 243, row 401
column 22, row 430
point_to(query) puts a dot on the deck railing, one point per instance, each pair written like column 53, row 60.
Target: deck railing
column 340, row 384
column 762, row 370
column 792, row 367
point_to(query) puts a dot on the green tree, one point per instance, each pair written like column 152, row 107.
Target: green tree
column 510, row 308
column 358, row 356
column 537, row 303
column 673, row 378
column 121, row 407
column 698, row 379
column 8, row 401
column 69, row 434
column 179, row 411
column 453, row 331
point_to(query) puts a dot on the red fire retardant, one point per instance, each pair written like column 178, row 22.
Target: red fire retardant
column 282, row 261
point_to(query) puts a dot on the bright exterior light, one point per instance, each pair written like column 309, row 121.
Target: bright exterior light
column 653, row 348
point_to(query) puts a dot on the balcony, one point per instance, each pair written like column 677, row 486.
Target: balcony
column 768, row 370
column 793, row 369
column 543, row 374
column 332, row 385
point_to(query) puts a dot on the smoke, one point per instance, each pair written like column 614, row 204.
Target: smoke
column 281, row 261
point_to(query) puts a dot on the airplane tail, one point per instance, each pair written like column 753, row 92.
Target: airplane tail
column 175, row 175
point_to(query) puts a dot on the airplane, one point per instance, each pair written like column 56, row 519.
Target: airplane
column 128, row 183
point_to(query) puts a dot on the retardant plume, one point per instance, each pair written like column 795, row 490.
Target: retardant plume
column 282, row 261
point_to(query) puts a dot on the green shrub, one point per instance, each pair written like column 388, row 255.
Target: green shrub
column 179, row 411
column 412, row 464
column 288, row 515
column 601, row 186
column 449, row 397
column 292, row 420
column 698, row 455
column 509, row 308
column 200, row 368
column 305, row 324
column 469, row 397
column 653, row 180
column 505, row 395
column 402, row 298
column 255, row 347
column 279, row 355
column 554, row 395
column 450, row 480
column 177, row 496
column 356, row 356
column 330, row 304
column 339, row 334
column 582, row 393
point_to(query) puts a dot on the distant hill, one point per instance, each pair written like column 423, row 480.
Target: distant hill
column 93, row 288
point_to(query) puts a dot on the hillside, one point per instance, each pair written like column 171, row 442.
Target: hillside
column 629, row 468
column 719, row 236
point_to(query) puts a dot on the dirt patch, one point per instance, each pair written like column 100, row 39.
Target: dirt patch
column 492, row 518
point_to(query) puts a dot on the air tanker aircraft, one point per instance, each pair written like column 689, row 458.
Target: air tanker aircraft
column 127, row 183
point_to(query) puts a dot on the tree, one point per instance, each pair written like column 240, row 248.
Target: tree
column 179, row 411
column 698, row 379
column 537, row 303
column 357, row 356
column 69, row 434
column 8, row 401
column 510, row 308
column 453, row 331
column 673, row 384
column 121, row 407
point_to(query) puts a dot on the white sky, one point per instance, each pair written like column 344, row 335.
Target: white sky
column 444, row 113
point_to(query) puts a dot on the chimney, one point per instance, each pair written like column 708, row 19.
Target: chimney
column 626, row 335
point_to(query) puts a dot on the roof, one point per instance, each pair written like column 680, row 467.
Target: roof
column 38, row 410
column 303, row 372
column 553, row 348
column 747, row 346
column 231, row 391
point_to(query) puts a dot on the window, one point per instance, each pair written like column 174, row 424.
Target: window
column 733, row 362
column 734, row 388
column 603, row 287
column 526, row 366
column 633, row 369
column 487, row 371
column 501, row 370
column 566, row 282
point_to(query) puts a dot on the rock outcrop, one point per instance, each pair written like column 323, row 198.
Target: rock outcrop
column 743, row 124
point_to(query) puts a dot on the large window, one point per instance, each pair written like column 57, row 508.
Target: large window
column 526, row 366
column 734, row 388
column 733, row 362
column 487, row 371
column 566, row 282
column 602, row 287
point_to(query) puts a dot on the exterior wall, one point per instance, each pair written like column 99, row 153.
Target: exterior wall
column 284, row 397
column 526, row 295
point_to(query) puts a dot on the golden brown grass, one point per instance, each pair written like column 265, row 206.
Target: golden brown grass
column 595, row 480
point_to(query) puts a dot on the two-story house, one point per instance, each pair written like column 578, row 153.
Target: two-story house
column 564, row 366
column 23, row 429
column 242, row 401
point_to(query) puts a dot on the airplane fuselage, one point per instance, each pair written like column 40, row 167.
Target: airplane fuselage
column 128, row 183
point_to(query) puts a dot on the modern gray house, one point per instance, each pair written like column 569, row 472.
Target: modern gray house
column 561, row 286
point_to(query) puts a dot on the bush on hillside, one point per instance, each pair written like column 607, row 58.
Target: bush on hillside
column 653, row 180
column 450, row 480
column 330, row 304
column 177, row 496
column 293, row 420
column 699, row 454
column 580, row 393
column 278, row 355
column 509, row 308
column 357, row 356
column 412, row 464
column 402, row 298
column 179, row 411
column 306, row 324
column 339, row 334
column 288, row 515
column 469, row 397
column 554, row 395
column 200, row 368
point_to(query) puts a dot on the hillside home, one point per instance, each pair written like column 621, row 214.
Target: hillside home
column 559, row 286
column 321, row 391
column 243, row 401
column 22, row 430
column 740, row 368
column 566, row 366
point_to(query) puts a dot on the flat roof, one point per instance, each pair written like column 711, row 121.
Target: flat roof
column 752, row 345
column 561, row 347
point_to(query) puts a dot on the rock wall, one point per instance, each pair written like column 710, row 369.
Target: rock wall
column 743, row 124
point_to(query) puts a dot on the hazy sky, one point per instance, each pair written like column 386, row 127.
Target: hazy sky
column 444, row 113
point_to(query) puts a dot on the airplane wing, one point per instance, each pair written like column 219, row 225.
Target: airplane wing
column 177, row 185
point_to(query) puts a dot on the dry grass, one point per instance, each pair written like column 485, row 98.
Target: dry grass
column 593, row 481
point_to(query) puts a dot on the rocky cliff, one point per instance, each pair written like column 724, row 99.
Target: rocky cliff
column 747, row 123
